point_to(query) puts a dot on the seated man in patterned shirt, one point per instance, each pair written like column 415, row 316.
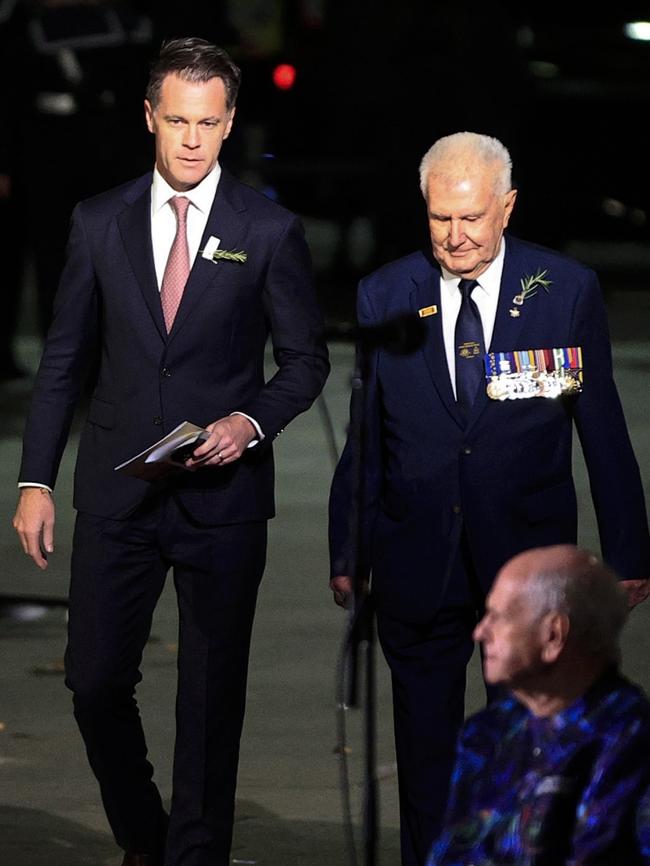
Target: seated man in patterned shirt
column 552, row 773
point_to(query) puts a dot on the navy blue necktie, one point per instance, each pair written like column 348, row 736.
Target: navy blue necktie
column 468, row 343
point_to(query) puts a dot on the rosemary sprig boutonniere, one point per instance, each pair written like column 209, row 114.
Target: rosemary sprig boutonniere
column 238, row 256
column 529, row 287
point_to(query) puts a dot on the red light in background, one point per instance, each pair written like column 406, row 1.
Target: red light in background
column 284, row 76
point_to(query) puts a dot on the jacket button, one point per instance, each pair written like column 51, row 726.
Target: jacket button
column 157, row 420
column 467, row 450
column 456, row 509
column 166, row 372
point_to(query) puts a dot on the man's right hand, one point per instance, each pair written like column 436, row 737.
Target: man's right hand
column 34, row 523
column 342, row 589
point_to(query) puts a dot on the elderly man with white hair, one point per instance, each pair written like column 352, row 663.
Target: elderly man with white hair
column 469, row 449
column 552, row 773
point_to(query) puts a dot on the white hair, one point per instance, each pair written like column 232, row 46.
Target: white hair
column 482, row 147
column 587, row 592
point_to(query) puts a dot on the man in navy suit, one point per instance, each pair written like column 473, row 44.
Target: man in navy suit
column 203, row 362
column 456, row 483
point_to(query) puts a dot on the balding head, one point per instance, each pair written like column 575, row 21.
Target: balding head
column 576, row 583
column 551, row 611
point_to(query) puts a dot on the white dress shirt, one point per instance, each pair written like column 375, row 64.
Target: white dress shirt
column 486, row 298
column 163, row 218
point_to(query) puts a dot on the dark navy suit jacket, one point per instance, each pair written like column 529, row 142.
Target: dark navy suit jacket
column 210, row 364
column 505, row 477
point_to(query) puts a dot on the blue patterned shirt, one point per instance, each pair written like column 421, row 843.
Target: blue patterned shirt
column 569, row 790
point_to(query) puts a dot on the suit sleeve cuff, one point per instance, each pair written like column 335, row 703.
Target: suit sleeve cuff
column 257, row 427
column 34, row 484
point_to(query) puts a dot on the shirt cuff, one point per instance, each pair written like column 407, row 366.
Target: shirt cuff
column 34, row 484
column 257, row 427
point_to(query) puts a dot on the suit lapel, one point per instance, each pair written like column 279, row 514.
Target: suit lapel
column 427, row 294
column 135, row 227
column 226, row 222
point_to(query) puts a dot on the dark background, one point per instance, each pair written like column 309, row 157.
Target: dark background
column 376, row 84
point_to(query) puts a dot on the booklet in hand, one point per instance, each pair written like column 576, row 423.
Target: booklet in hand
column 166, row 456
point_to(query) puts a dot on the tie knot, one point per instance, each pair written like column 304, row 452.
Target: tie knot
column 467, row 287
column 180, row 203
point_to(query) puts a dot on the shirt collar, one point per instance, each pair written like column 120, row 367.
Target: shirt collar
column 201, row 196
column 490, row 279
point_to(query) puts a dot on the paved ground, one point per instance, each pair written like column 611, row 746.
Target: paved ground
column 288, row 798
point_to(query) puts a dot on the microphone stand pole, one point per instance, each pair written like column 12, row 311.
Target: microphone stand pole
column 402, row 334
column 362, row 638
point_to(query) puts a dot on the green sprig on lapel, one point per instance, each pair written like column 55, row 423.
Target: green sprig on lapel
column 529, row 286
column 229, row 256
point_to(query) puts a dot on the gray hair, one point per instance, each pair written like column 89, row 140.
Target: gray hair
column 193, row 60
column 576, row 583
column 485, row 148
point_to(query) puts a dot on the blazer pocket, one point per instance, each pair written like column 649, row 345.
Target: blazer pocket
column 101, row 413
column 551, row 501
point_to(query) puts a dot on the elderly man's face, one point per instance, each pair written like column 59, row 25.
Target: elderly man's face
column 466, row 217
column 510, row 634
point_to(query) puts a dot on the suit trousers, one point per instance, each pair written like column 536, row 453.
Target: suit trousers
column 118, row 573
column 428, row 662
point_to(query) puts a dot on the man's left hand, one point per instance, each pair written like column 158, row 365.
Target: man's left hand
column 229, row 438
column 636, row 590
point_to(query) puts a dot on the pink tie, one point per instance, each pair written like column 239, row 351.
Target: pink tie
column 177, row 268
